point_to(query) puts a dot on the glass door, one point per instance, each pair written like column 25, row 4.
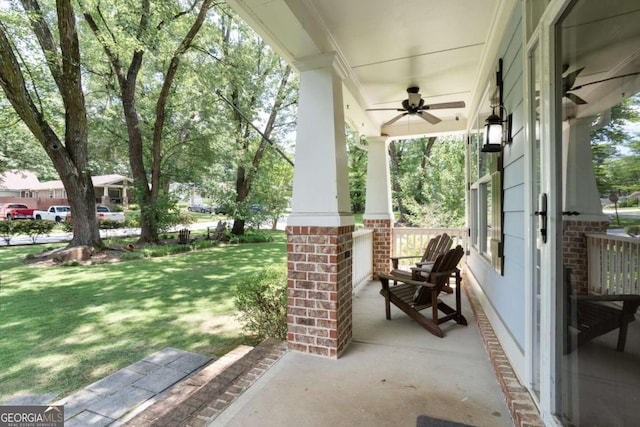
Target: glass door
column 597, row 75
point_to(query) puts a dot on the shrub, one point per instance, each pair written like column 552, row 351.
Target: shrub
column 37, row 228
column 9, row 229
column 185, row 219
column 262, row 301
column 132, row 255
column 250, row 236
column 204, row 244
column 131, row 222
column 633, row 230
column 67, row 225
column 109, row 224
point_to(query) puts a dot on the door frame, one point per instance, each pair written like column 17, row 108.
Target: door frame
column 551, row 307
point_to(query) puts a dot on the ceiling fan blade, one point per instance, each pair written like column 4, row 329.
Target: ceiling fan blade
column 575, row 98
column 429, row 117
column 442, row 105
column 395, row 119
column 570, row 78
column 385, row 109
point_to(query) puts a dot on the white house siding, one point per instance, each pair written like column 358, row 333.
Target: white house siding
column 505, row 294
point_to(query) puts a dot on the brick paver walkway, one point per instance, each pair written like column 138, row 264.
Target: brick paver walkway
column 198, row 400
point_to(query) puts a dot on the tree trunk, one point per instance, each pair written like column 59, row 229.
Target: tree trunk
column 69, row 158
column 423, row 168
column 243, row 186
column 395, row 183
column 146, row 192
column 83, row 206
column 244, row 179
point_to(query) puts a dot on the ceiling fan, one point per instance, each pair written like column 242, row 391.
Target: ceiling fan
column 414, row 105
column 569, row 81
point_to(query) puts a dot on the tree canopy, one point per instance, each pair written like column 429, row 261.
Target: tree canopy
column 428, row 181
column 616, row 149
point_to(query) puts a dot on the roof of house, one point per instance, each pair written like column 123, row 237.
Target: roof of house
column 18, row 180
column 111, row 179
column 98, row 181
column 25, row 180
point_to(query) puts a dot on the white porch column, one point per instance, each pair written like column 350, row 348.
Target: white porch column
column 378, row 212
column 321, row 174
column 378, row 203
column 105, row 196
column 320, row 227
column 580, row 192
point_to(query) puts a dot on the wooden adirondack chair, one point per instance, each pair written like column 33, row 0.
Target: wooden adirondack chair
column 590, row 316
column 436, row 246
column 412, row 296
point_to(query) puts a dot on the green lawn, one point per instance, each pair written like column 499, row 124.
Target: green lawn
column 62, row 328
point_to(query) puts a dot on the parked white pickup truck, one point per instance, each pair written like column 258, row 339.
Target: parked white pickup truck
column 54, row 213
column 103, row 212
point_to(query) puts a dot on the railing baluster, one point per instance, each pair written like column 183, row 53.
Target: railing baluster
column 614, row 264
column 362, row 261
column 412, row 241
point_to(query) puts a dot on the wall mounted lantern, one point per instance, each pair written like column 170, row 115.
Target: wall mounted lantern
column 497, row 132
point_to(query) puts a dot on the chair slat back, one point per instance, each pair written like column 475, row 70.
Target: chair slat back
column 443, row 267
column 430, row 252
column 437, row 246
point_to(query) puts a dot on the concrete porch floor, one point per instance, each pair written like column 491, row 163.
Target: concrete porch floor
column 391, row 373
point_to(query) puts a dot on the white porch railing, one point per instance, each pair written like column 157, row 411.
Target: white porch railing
column 614, row 264
column 413, row 241
column 362, row 261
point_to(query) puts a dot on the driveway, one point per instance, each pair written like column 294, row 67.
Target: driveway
column 59, row 237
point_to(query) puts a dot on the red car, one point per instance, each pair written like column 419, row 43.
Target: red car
column 16, row 211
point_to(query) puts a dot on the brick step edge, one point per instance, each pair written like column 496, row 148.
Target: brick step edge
column 200, row 398
column 521, row 405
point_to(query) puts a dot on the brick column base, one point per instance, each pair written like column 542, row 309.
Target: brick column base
column 574, row 245
column 319, row 314
column 382, row 244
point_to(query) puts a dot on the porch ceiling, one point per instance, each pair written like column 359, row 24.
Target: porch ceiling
column 443, row 46
column 602, row 39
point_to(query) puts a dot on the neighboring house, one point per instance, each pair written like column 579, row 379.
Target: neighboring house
column 110, row 189
column 17, row 184
column 550, row 71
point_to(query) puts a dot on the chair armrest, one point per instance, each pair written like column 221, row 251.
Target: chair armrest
column 425, row 264
column 609, row 297
column 406, row 257
column 444, row 273
column 395, row 259
column 387, row 277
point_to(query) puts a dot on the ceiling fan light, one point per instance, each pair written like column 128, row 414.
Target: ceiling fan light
column 414, row 99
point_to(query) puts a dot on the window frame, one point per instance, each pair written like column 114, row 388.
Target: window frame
column 486, row 215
